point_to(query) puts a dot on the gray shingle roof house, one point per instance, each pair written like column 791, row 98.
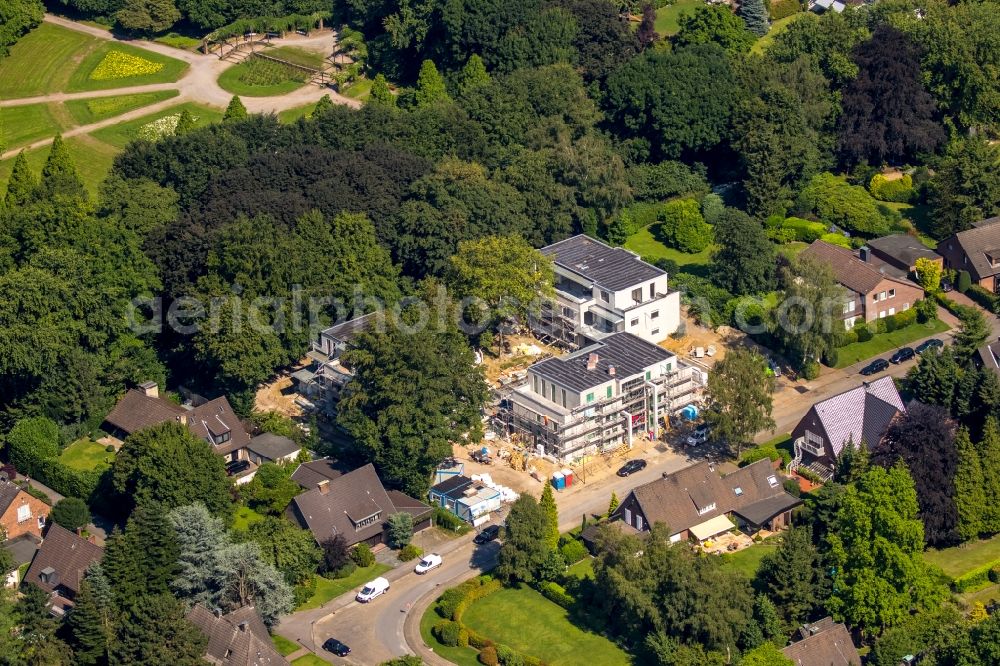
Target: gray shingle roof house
column 695, row 501
column 977, row 251
column 355, row 505
column 823, row 643
column 238, row 638
column 308, row 474
column 268, row 447
column 900, row 251
column 60, row 564
column 988, row 356
column 863, row 413
column 217, row 423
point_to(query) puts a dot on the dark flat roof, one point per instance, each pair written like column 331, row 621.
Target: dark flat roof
column 344, row 331
column 452, row 485
column 764, row 510
column 904, row 247
column 613, row 268
column 628, row 353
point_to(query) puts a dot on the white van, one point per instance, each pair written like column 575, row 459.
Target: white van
column 373, row 589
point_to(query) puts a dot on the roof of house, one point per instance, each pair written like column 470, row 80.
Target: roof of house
column 613, row 268
column 273, row 447
column 903, row 247
column 136, row 411
column 239, row 637
column 989, row 356
column 859, row 414
column 826, row 643
column 629, row 354
column 350, row 500
column 8, row 493
column 214, row 419
column 983, row 238
column 308, row 474
column 698, row 493
column 67, row 554
column 452, row 486
column 23, row 548
column 346, row 330
column 847, row 269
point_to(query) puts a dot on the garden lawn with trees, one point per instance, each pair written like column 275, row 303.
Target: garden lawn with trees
column 86, row 454
column 884, row 342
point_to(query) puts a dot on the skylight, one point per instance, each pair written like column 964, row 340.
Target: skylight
column 772, row 481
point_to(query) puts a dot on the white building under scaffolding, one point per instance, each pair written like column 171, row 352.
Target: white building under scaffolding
column 599, row 397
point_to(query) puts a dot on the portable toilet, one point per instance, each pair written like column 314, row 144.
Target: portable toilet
column 558, row 481
column 568, row 475
column 689, row 413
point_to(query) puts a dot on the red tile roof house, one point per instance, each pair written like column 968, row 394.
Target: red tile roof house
column 871, row 294
column 60, row 564
column 238, row 638
column 213, row 421
column 977, row 251
column 863, row 413
column 697, row 502
column 20, row 513
column 823, row 643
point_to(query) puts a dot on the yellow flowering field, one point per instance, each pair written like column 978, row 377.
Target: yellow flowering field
column 121, row 65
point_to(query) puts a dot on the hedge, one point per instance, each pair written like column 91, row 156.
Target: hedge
column 62, row 479
column 409, row 552
column 454, row 602
column 447, row 520
column 508, row 656
column 964, row 282
column 951, row 306
column 837, row 239
column 362, row 555
column 789, row 229
column 988, row 300
column 784, row 8
column 765, row 451
column 556, row 593
column 477, row 640
column 977, row 578
column 447, row 631
column 573, row 551
column 488, row 656
column 899, row 190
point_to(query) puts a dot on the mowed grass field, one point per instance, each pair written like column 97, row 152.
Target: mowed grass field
column 83, row 79
column 667, row 18
column 121, row 134
column 93, row 159
column 87, row 111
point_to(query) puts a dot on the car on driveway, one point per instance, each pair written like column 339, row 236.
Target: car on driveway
column 631, row 467
column 903, row 354
column 489, row 533
column 933, row 343
column 432, row 561
column 336, row 647
column 875, row 367
column 699, row 435
column 236, row 466
column 372, row 589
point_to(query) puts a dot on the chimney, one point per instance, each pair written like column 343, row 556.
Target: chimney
column 150, row 389
column 324, row 487
column 217, row 611
column 243, row 626
column 864, row 254
column 611, row 370
column 592, row 361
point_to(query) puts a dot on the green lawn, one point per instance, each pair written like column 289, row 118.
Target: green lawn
column 120, row 135
column 667, row 17
column 28, row 123
column 358, row 90
column 504, row 615
column 962, row 559
column 747, row 561
column 93, row 159
column 582, row 569
column 883, row 342
column 43, row 60
column 245, row 517
column 87, row 111
column 309, row 660
column 81, row 80
column 919, row 216
column 777, row 27
column 462, row 656
column 291, row 115
column 304, row 57
column 256, row 77
column 284, row 646
column 86, row 455
column 177, row 41
column 645, row 244
column 327, row 589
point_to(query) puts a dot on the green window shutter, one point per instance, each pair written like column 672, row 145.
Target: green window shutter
column 648, row 374
column 590, row 397
column 609, row 391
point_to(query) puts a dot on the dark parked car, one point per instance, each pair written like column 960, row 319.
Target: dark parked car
column 237, row 466
column 488, row 534
column 336, row 647
column 903, row 354
column 946, row 286
column 933, row 343
column 878, row 365
column 632, row 466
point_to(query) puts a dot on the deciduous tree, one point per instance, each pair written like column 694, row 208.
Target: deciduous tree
column 929, row 274
column 744, row 262
column 714, row 24
column 808, row 320
column 400, row 529
column 526, row 541
column 71, row 513
column 739, row 396
column 147, row 16
column 966, row 186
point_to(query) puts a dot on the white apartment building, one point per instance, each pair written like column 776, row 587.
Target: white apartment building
column 602, row 290
column 599, row 397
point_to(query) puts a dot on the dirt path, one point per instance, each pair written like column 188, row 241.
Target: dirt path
column 199, row 83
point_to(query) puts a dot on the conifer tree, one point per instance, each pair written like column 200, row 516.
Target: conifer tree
column 473, row 75
column 235, row 110
column 754, row 14
column 322, row 106
column 430, row 86
column 380, row 93
column 613, row 504
column 989, row 456
column 22, row 187
column 142, row 560
column 184, row 124
column 87, row 628
column 970, row 495
column 548, row 504
column 59, row 175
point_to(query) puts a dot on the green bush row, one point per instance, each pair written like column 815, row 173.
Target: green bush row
column 768, row 451
column 787, row 229
column 454, row 602
column 556, row 593
column 985, row 298
column 862, row 332
column 447, row 520
column 977, row 578
column 572, row 552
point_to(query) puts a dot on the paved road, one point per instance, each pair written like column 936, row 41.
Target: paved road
column 198, row 84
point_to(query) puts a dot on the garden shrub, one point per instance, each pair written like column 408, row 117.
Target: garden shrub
column 120, row 65
column 303, row 593
column 488, row 656
column 791, row 487
column 31, row 440
column 362, row 555
column 994, row 574
column 508, row 656
column 573, row 551
column 784, row 8
column 849, row 338
column 926, row 310
column 899, row 190
column 863, row 332
column 765, row 451
column 964, row 282
column 409, row 552
column 834, row 201
column 479, row 589
column 656, row 182
column 977, row 578
column 794, row 228
column 344, row 571
column 109, row 448
column 684, row 226
column 463, row 637
column 477, row 640
column 811, row 370
column 556, row 593
column 837, row 239
column 447, row 631
column 905, row 318
column 830, row 358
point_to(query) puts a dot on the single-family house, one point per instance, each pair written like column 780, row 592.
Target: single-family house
column 988, row 356
column 898, row 254
column 141, row 408
column 822, row 6
column 268, row 447
column 869, row 293
column 22, row 551
column 60, row 564
column 823, row 643
column 472, row 501
column 21, row 513
column 237, row 638
column 976, row 251
column 697, row 503
column 863, row 413
column 323, row 379
column 355, row 505
column 309, row 474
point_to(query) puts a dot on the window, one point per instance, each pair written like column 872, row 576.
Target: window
column 605, row 296
column 590, row 397
column 772, row 481
column 705, row 509
column 649, row 374
column 610, row 389
column 553, row 393
column 634, row 322
column 23, row 513
column 849, row 306
column 655, row 331
column 738, row 490
column 881, row 296
column 41, row 522
column 638, row 522
column 628, row 516
column 906, row 306
column 221, row 439
column 881, row 315
column 637, row 295
column 874, row 298
column 654, row 315
column 365, row 522
column 892, row 311
column 892, row 293
column 538, row 418
column 535, row 384
column 568, row 313
column 563, row 397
